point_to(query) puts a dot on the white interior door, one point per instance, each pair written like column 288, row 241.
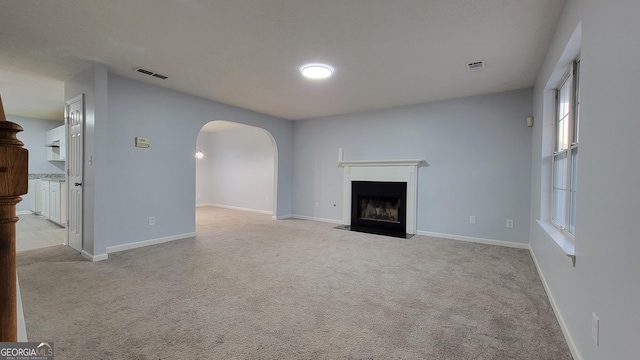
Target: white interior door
column 75, row 147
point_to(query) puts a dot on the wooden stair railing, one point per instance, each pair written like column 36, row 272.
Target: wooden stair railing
column 14, row 181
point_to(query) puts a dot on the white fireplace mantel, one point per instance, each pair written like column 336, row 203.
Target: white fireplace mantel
column 360, row 163
column 383, row 170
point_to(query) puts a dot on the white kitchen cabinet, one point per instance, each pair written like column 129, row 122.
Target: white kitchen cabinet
column 32, row 195
column 44, row 198
column 35, row 195
column 48, row 198
column 57, row 202
column 63, row 204
column 54, row 201
column 55, row 141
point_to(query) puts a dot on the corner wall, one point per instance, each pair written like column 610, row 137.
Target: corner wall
column 604, row 279
column 160, row 181
column 478, row 150
column 92, row 82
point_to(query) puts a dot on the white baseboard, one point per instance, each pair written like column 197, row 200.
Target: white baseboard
column 22, row 328
column 204, row 205
column 139, row 244
column 94, row 258
column 313, row 218
column 282, row 217
column 266, row 212
column 476, row 240
column 23, row 212
column 563, row 325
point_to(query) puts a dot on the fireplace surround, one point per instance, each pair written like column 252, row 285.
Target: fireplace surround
column 382, row 171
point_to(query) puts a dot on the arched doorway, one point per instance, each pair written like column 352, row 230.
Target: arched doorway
column 236, row 167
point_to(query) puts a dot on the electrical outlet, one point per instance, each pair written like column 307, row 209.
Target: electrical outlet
column 595, row 328
column 152, row 220
column 472, row 219
column 317, row 204
column 510, row 223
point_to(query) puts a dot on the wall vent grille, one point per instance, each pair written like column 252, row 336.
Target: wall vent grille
column 151, row 73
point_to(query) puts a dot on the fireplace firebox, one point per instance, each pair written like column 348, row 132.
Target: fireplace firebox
column 379, row 207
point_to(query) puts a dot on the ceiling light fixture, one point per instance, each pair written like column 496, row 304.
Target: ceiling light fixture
column 199, row 153
column 316, row 71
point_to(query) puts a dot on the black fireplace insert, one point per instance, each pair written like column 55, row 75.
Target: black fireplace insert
column 379, row 207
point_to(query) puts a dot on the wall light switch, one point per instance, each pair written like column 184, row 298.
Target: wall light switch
column 472, row 219
column 152, row 220
column 530, row 121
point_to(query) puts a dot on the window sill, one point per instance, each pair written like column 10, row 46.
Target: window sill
column 563, row 241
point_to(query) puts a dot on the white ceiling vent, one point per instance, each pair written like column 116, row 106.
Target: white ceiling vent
column 151, row 73
column 476, row 65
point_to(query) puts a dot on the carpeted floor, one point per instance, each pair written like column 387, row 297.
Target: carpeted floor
column 248, row 287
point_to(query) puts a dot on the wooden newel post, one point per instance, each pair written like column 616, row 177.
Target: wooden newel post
column 14, row 181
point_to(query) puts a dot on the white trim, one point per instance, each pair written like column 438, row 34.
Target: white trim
column 476, row 240
column 94, row 258
column 204, row 205
column 357, row 163
column 22, row 328
column 282, row 217
column 266, row 212
column 312, row 218
column 28, row 212
column 563, row 325
column 562, row 240
column 139, row 244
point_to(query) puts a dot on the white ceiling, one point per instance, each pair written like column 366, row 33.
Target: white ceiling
column 248, row 52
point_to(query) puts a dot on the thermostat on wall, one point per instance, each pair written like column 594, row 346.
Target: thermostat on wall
column 142, row 142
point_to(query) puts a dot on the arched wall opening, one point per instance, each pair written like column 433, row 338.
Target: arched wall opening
column 238, row 167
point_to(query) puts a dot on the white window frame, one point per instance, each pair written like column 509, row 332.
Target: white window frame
column 567, row 218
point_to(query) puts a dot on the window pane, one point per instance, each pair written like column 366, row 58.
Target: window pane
column 562, row 119
column 574, row 189
column 560, row 188
column 576, row 116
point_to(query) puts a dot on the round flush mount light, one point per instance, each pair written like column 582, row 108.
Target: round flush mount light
column 316, row 71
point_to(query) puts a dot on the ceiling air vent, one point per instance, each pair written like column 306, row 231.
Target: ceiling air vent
column 151, row 73
column 476, row 65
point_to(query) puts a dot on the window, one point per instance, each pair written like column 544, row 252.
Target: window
column 565, row 155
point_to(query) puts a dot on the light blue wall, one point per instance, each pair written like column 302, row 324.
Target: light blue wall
column 33, row 138
column 239, row 168
column 478, row 150
column 160, row 181
column 605, row 277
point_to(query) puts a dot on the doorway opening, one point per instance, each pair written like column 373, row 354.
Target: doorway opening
column 236, row 167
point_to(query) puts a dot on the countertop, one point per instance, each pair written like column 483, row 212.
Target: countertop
column 48, row 177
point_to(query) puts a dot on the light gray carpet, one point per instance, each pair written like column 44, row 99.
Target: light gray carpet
column 248, row 287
